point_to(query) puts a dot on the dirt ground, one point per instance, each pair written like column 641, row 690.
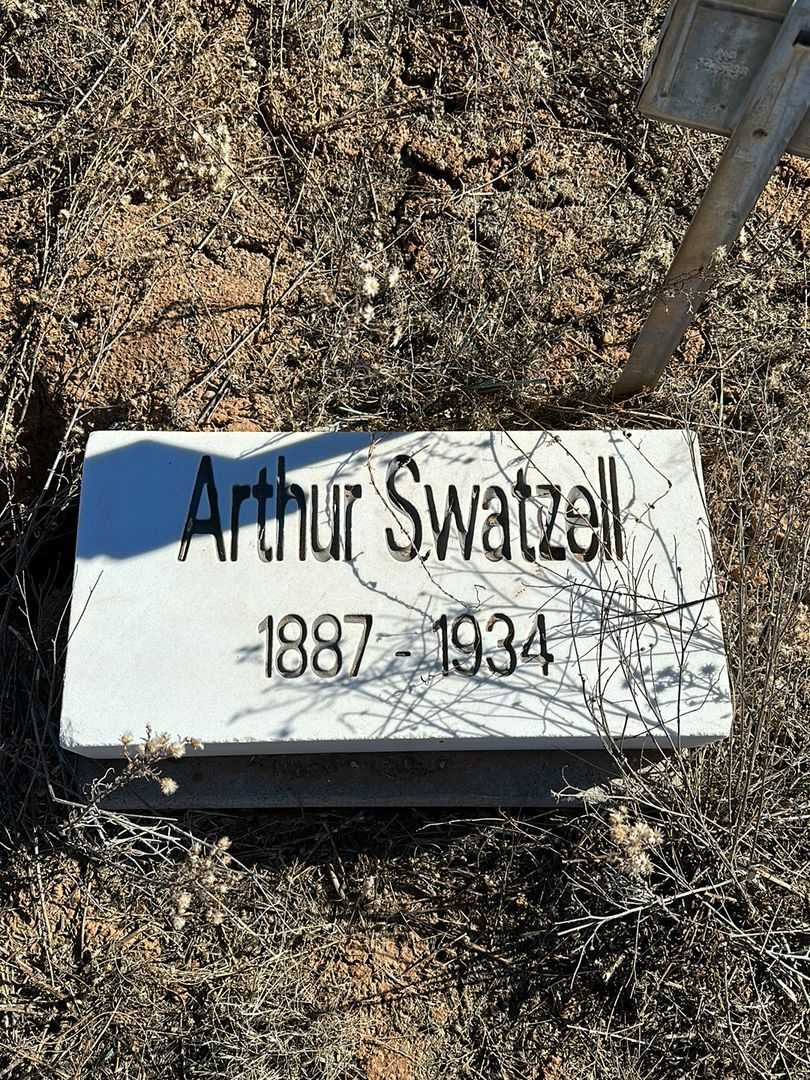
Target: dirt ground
column 416, row 215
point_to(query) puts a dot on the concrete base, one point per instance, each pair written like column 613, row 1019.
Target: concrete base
column 429, row 778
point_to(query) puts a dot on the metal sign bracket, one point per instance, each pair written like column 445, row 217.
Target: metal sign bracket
column 775, row 107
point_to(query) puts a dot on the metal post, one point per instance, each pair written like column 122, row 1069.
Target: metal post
column 776, row 104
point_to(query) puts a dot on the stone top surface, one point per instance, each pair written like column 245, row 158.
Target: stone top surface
column 318, row 592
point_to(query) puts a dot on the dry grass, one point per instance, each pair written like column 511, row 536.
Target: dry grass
column 193, row 196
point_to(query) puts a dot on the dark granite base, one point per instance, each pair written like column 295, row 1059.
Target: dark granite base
column 427, row 778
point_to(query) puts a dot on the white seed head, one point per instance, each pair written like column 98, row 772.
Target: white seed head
column 183, row 902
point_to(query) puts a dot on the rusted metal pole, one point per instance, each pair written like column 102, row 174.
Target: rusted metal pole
column 776, row 104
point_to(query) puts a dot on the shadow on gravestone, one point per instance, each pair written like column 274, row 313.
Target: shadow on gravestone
column 130, row 533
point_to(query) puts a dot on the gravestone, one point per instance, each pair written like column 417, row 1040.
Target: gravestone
column 428, row 592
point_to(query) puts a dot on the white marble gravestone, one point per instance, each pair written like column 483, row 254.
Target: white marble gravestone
column 270, row 593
